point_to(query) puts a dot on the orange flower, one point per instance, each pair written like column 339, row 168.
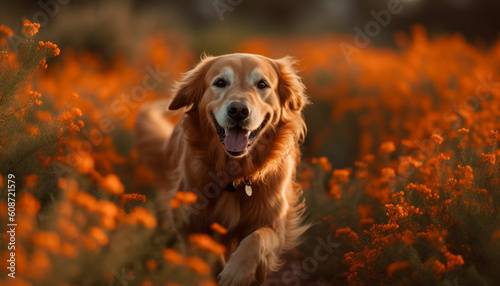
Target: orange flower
column 186, row 197
column 409, row 144
column 151, row 264
column 408, row 237
column 40, row 265
column 341, row 175
column 335, row 189
column 108, row 222
column 128, row 198
column 173, row 256
column 99, row 235
column 198, row 265
column 143, row 216
column 345, row 230
column 69, row 250
column 466, row 175
column 306, row 174
column 437, row 139
column 353, row 236
column 90, row 243
column 34, row 94
column 32, row 130
column 397, row 266
column 204, row 241
column 463, row 132
column 453, row 261
column 323, row 162
column 67, row 228
column 389, row 174
column 80, row 124
column 84, row 200
column 488, row 158
column 28, row 204
column 72, row 96
column 218, row 228
column 430, row 195
column 5, row 32
column 387, row 147
column 174, row 204
column 20, row 114
column 30, row 181
column 493, row 136
column 112, row 184
column 365, row 213
column 25, row 225
column 85, row 164
column 44, row 116
column 49, row 46
column 67, row 118
column 64, row 209
column 439, row 269
column 43, row 64
column 49, row 241
column 107, row 208
column 407, row 164
column 30, row 29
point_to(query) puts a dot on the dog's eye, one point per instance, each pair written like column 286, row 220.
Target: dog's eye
column 262, row 84
column 220, row 83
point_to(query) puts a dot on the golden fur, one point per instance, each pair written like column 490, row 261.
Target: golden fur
column 189, row 156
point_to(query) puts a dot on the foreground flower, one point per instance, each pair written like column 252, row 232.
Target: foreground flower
column 112, row 184
column 143, row 216
column 218, row 228
column 173, row 256
column 397, row 266
column 387, row 147
column 5, row 33
column 323, row 162
column 198, row 265
column 204, row 241
column 49, row 46
column 30, row 29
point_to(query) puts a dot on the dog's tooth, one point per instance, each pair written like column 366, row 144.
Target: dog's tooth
column 248, row 133
column 248, row 190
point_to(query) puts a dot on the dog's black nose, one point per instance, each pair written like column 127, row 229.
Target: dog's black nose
column 238, row 111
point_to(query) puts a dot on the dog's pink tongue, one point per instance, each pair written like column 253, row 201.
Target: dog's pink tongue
column 236, row 139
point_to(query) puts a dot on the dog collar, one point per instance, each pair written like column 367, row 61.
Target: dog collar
column 232, row 187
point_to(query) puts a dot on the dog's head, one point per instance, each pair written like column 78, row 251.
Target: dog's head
column 242, row 96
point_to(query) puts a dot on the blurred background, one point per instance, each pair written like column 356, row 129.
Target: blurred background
column 121, row 23
column 108, row 28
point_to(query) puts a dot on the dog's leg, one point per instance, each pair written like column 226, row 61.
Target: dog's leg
column 261, row 249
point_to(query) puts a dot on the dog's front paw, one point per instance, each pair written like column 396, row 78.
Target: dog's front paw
column 237, row 275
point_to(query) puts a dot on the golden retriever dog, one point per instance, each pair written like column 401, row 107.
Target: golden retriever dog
column 237, row 147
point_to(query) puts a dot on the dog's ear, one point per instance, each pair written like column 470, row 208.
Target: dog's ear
column 190, row 90
column 291, row 90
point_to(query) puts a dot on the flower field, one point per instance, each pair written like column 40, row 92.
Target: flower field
column 400, row 170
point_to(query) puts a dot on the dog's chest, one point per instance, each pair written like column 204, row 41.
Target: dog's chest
column 237, row 210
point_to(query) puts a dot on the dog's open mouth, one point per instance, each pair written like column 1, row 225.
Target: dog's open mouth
column 236, row 140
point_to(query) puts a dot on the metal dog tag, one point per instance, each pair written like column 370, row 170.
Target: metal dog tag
column 248, row 190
